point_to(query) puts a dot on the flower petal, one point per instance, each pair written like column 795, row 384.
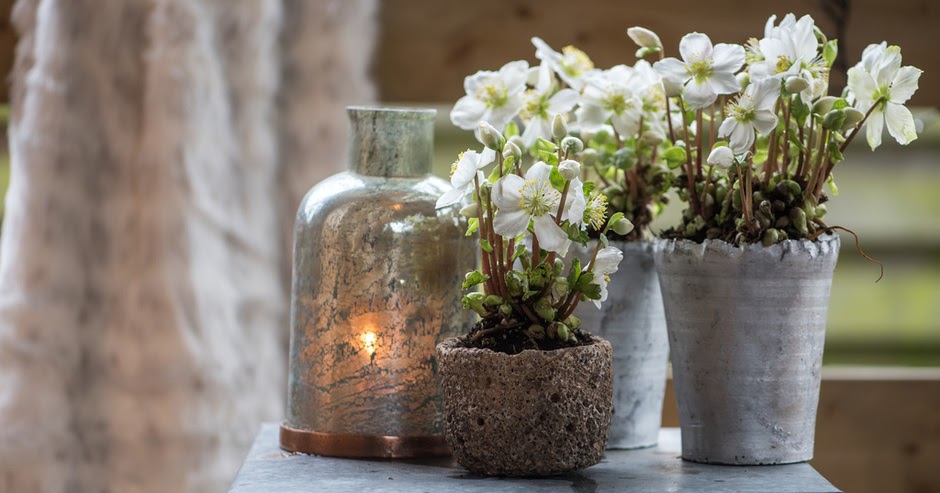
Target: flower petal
column 900, row 123
column 695, row 45
column 575, row 204
column 507, row 192
column 727, row 126
column 724, row 83
column 627, row 124
column 451, row 197
column 592, row 117
column 728, row 57
column 551, row 236
column 514, row 75
column 742, row 138
column 672, row 70
column 875, row 124
column 510, row 223
column 888, row 67
column 608, row 260
column 472, row 82
column 699, row 95
column 467, row 113
column 563, row 101
column 764, row 121
column 466, row 169
column 863, row 87
column 539, row 171
column 904, row 84
column 535, row 128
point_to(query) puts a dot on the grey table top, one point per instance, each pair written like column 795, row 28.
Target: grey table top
column 268, row 469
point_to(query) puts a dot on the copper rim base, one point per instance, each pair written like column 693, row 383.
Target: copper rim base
column 362, row 446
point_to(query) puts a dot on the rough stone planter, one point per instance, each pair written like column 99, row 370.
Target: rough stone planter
column 632, row 319
column 746, row 328
column 536, row 413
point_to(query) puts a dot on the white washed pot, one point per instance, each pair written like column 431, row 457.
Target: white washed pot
column 746, row 330
column 632, row 319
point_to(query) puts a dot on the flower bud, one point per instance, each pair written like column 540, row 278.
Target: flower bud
column 744, row 80
column 834, row 120
column 795, row 84
column 491, row 137
column 572, row 145
column 623, row 227
column 824, row 104
column 559, row 127
column 645, row 38
column 723, row 157
column 511, row 149
column 517, row 141
column 852, row 117
column 588, row 156
column 469, row 210
column 569, row 169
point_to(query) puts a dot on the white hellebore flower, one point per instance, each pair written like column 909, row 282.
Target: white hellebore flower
column 468, row 165
column 607, row 262
column 791, row 50
column 494, row 97
column 644, row 38
column 752, row 110
column 705, row 71
column 571, row 64
column 531, row 198
column 723, row 157
column 607, row 97
column 540, row 106
column 882, row 85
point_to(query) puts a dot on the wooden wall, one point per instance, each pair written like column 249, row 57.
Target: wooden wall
column 427, row 47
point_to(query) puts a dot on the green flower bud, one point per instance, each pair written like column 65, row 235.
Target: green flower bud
column 558, row 268
column 588, row 157
column 559, row 127
column 795, row 84
column 563, row 332
column 517, row 141
column 512, row 150
column 623, row 227
column 469, row 210
column 506, row 310
column 491, row 137
column 644, row 38
column 798, row 219
column 771, row 237
column 569, row 169
column 573, row 322
column 824, row 104
column 572, row 145
column 852, row 117
column 834, row 120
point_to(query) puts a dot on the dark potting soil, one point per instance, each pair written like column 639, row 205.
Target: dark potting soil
column 513, row 338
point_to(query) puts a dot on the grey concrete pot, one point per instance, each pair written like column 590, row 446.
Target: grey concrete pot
column 632, row 319
column 746, row 329
column 536, row 413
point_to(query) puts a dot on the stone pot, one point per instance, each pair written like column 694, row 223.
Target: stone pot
column 746, row 328
column 632, row 319
column 536, row 413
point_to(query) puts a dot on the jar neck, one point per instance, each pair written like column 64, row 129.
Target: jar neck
column 390, row 142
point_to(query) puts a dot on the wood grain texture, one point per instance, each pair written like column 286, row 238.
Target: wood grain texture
column 427, row 47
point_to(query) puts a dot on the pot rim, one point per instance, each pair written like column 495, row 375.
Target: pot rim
column 456, row 345
column 824, row 245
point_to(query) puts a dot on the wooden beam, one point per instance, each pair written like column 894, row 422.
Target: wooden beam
column 427, row 47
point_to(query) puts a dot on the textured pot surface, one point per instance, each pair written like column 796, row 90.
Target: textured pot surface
column 535, row 413
column 377, row 279
column 632, row 319
column 746, row 328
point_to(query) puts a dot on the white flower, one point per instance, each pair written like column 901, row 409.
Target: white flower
column 607, row 97
column 462, row 173
column 540, row 106
column 531, row 198
column 791, row 49
column 723, row 157
column 879, row 78
column 752, row 110
column 607, row 262
column 705, row 71
column 571, row 64
column 569, row 169
column 647, row 84
column 494, row 97
column 576, row 203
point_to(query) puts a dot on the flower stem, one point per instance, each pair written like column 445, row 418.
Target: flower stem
column 690, row 174
column 488, row 286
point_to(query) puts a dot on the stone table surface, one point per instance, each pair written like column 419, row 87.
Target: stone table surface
column 269, row 469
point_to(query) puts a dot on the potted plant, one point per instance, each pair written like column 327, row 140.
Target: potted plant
column 528, row 391
column 746, row 275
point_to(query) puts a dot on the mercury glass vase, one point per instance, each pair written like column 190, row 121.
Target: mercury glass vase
column 377, row 278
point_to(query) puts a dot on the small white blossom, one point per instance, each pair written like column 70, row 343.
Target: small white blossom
column 752, row 110
column 607, row 97
column 494, row 97
column 569, row 169
column 571, row 64
column 607, row 262
column 705, row 71
column 530, row 198
column 540, row 105
column 462, row 172
column 879, row 79
column 791, row 49
column 644, row 38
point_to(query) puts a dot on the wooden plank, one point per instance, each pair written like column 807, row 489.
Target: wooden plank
column 877, row 429
column 427, row 47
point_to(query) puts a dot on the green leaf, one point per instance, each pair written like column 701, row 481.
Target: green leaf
column 507, row 164
column 473, row 278
column 832, row 186
column 544, row 145
column 530, row 294
column 493, row 300
column 800, row 110
column 540, row 275
column 840, row 104
column 586, row 278
column 520, row 251
column 549, row 157
column 612, row 221
column 675, row 156
column 603, row 239
column 511, row 130
column 588, row 187
column 831, row 51
column 543, row 307
column 557, row 180
column 485, row 245
column 835, row 153
column 516, row 283
column 592, row 291
column 472, row 225
column 575, row 272
column 474, row 301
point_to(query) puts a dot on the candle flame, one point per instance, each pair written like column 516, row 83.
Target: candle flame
column 369, row 342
